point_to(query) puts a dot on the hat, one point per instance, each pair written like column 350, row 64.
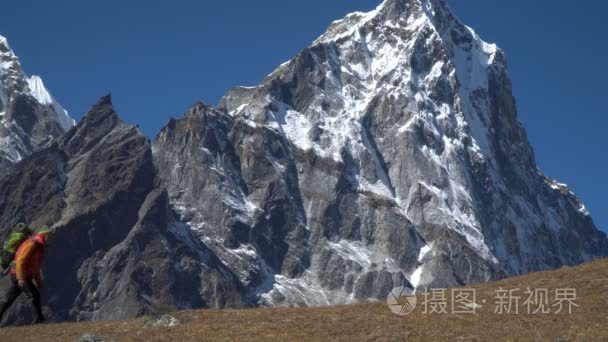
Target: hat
column 43, row 231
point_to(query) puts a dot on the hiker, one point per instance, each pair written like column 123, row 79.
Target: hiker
column 26, row 275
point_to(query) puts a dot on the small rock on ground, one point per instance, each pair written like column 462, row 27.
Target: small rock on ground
column 166, row 321
column 88, row 337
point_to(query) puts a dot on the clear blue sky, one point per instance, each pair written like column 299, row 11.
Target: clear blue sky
column 159, row 57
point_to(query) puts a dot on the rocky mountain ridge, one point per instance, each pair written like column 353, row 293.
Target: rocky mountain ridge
column 388, row 152
column 30, row 118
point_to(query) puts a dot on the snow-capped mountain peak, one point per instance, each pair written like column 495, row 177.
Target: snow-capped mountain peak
column 30, row 117
column 11, row 75
column 409, row 106
column 40, row 93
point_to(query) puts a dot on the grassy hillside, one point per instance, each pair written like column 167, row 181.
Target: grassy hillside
column 374, row 321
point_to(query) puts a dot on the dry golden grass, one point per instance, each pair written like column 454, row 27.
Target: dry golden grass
column 371, row 321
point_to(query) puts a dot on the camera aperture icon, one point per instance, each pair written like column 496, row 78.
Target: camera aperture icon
column 401, row 300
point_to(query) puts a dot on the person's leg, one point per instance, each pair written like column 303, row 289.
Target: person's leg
column 8, row 297
column 34, row 294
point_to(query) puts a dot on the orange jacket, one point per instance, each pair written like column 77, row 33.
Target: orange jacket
column 28, row 260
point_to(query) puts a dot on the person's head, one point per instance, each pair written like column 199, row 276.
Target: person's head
column 43, row 234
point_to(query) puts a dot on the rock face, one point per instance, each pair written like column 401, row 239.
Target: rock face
column 117, row 251
column 30, row 118
column 387, row 153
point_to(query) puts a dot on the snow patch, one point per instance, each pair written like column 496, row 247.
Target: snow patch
column 38, row 90
column 352, row 250
column 415, row 277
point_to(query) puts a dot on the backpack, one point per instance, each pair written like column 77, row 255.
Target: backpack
column 16, row 238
